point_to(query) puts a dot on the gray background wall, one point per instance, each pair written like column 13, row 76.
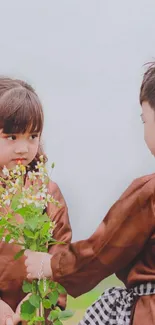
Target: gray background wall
column 85, row 57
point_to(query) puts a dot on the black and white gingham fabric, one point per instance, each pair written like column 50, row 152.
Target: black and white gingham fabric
column 115, row 305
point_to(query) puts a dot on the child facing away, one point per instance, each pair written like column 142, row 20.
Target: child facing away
column 21, row 125
column 124, row 243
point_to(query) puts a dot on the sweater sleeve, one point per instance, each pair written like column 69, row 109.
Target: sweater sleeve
column 117, row 241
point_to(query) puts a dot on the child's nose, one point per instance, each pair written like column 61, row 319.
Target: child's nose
column 21, row 149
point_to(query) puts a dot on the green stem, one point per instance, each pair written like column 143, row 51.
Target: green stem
column 41, row 308
column 42, row 312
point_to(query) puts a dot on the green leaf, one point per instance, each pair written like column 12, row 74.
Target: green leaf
column 41, row 288
column 65, row 314
column 33, row 246
column 45, row 229
column 39, row 318
column 27, row 310
column 53, row 315
column 1, row 233
column 43, row 218
column 53, row 297
column 9, row 216
column 43, row 248
column 46, row 303
column 35, row 300
column 61, row 289
column 57, row 322
column 52, row 285
column 33, row 223
column 19, row 254
column 36, row 235
column 27, row 287
column 25, row 316
column 3, row 221
column 25, row 211
column 36, row 319
column 15, row 202
column 7, row 238
column 28, row 233
column 34, row 286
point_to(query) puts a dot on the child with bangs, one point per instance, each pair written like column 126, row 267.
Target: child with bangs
column 21, row 126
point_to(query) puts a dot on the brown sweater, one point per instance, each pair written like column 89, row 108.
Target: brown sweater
column 124, row 243
column 13, row 272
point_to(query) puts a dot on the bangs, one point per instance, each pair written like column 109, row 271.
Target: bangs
column 20, row 111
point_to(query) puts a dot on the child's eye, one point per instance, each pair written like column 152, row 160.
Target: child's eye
column 33, row 136
column 11, row 137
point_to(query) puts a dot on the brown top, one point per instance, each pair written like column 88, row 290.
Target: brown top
column 124, row 243
column 13, row 272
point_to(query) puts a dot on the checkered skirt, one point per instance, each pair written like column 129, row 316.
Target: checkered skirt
column 115, row 305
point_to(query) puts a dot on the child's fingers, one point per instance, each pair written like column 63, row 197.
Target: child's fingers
column 9, row 320
column 30, row 277
column 16, row 318
column 27, row 252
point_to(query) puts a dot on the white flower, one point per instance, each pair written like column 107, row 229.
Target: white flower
column 42, row 177
column 17, row 169
column 53, row 224
column 52, row 227
column 13, row 190
column 6, row 198
column 39, row 204
column 44, row 188
column 7, row 202
column 48, row 197
column 40, row 165
column 40, row 195
column 32, row 176
column 15, row 186
column 10, row 241
column 25, row 201
column 5, row 171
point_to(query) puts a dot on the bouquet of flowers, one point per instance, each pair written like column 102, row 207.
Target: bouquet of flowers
column 34, row 233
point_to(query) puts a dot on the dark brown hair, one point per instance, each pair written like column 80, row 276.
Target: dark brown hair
column 20, row 110
column 147, row 89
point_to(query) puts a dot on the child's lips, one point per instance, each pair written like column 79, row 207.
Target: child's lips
column 19, row 160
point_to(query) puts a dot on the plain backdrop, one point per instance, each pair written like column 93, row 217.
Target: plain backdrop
column 85, row 59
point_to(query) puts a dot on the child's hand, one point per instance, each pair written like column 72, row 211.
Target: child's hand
column 9, row 321
column 7, row 315
column 38, row 265
column 12, row 320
